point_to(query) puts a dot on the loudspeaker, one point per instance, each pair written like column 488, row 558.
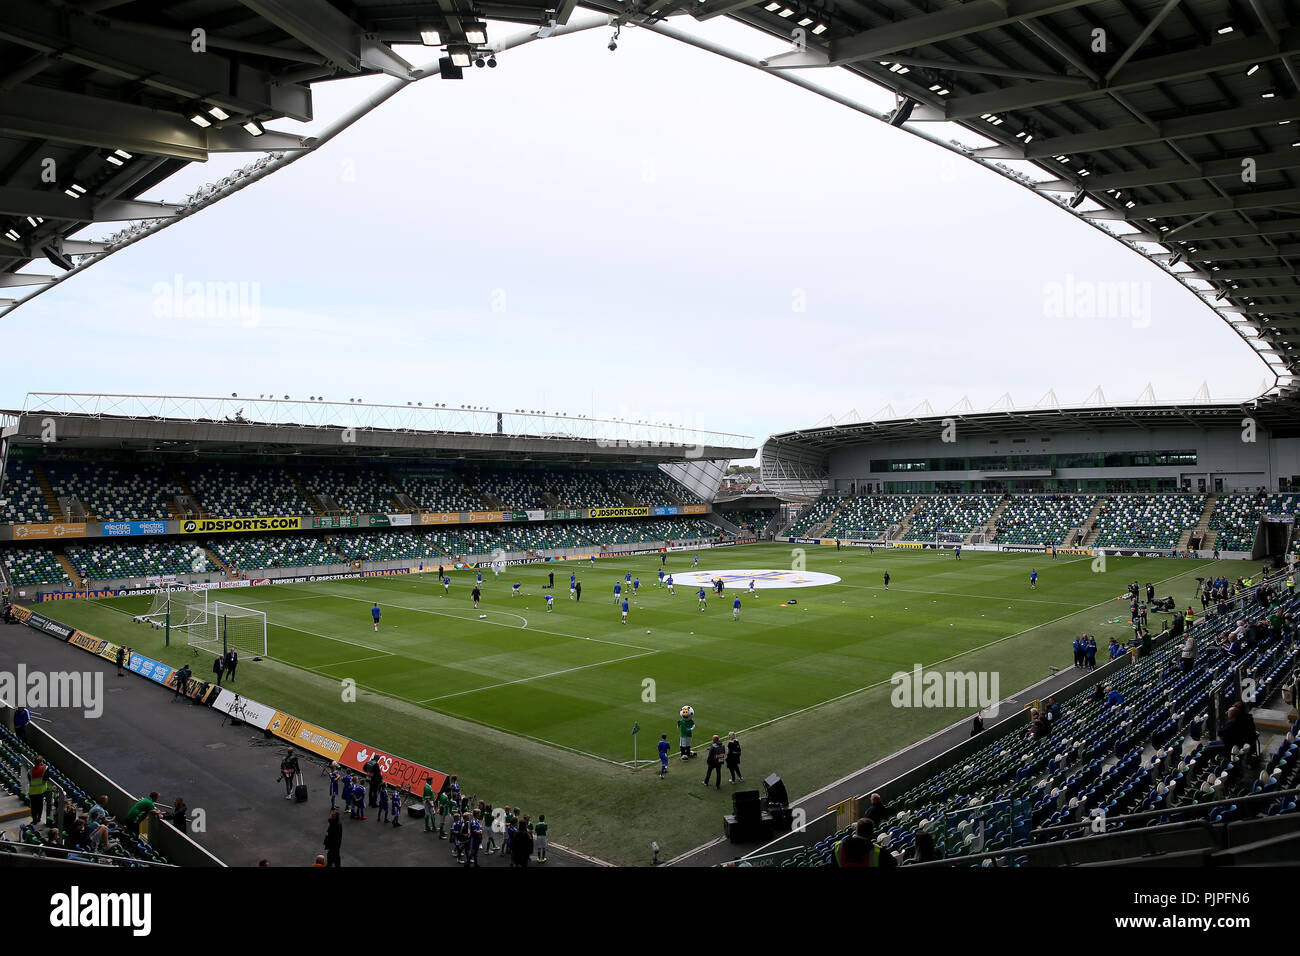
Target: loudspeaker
column 746, row 807
column 775, row 790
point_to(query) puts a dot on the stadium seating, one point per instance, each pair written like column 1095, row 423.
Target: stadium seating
column 583, row 490
column 1143, row 754
column 234, row 491
column 123, row 847
column 871, row 517
column 514, row 489
column 751, row 521
column 104, row 561
column 438, row 491
column 25, row 503
column 27, row 566
column 358, row 490
column 813, row 515
column 649, row 487
column 116, row 492
column 1146, row 521
column 273, row 551
column 959, row 514
column 1236, row 517
column 1042, row 519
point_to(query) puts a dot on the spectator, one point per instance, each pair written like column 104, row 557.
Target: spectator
column 713, row 761
column 733, row 757
column 37, row 785
column 860, row 849
column 1188, row 654
column 977, row 725
column 180, row 815
column 1113, row 697
column 876, row 812
column 333, row 840
column 541, row 831
column 142, row 808
column 521, row 845
column 22, row 717
column 218, row 667
column 232, row 661
column 289, row 769
column 376, row 776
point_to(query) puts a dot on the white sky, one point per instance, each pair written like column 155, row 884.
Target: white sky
column 649, row 220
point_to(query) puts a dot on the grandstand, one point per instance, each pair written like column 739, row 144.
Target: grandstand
column 320, row 511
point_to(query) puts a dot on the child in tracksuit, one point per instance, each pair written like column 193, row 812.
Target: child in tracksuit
column 383, row 806
column 396, row 807
column 345, row 793
column 334, row 783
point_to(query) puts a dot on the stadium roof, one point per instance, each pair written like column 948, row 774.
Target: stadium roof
column 266, row 425
column 1168, row 123
column 1276, row 416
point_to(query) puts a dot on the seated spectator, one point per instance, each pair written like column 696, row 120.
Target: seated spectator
column 1113, row 697
column 876, row 812
column 1189, row 653
column 860, row 849
column 1239, row 729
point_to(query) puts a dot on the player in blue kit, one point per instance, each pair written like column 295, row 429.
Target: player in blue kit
column 664, row 747
column 374, row 614
column 625, row 610
column 735, row 610
column 396, row 807
column 627, row 578
column 661, row 578
column 636, row 586
column 383, row 806
column 480, row 577
column 334, row 782
column 700, row 595
column 514, row 590
column 669, row 584
column 550, row 602
column 1033, row 579
column 697, row 561
column 618, row 591
column 446, row 584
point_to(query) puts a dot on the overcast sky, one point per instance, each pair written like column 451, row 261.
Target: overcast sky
column 652, row 233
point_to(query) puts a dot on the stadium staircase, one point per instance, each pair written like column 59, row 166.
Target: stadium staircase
column 52, row 502
column 906, row 524
column 627, row 499
column 989, row 528
column 550, row 500
column 773, row 527
column 1090, row 538
column 306, row 495
column 1201, row 528
column 401, row 500
column 186, row 504
column 70, row 571
column 216, row 561
column 480, row 495
column 732, row 529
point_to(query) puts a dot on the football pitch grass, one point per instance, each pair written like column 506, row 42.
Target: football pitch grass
column 536, row 709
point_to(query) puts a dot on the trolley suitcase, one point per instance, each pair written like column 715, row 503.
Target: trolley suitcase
column 299, row 789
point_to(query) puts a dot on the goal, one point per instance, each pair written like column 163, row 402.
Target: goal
column 230, row 625
column 179, row 607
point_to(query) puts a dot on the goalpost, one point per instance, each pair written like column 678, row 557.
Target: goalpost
column 213, row 626
column 230, row 625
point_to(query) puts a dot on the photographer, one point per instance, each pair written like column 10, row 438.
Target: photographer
column 289, row 769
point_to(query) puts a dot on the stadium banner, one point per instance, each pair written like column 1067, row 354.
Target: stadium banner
column 87, row 642
column 1024, row 547
column 154, row 580
column 241, row 708
column 694, row 509
column 642, row 512
column 666, row 510
column 22, row 614
column 68, row 595
column 322, row 742
column 561, row 514
column 336, row 521
column 1086, row 552
column 128, row 529
column 1136, row 553
column 195, row 689
column 405, row 774
column 240, row 583
column 385, row 572
column 481, row 517
column 439, row 517
column 234, row 525
column 380, row 521
column 52, row 628
column 914, row 545
column 147, row 667
column 535, row 515
column 34, row 532
column 399, row 521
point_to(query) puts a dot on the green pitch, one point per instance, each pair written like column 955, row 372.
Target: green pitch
column 537, row 708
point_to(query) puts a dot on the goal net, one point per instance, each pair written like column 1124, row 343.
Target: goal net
column 230, row 625
column 178, row 606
